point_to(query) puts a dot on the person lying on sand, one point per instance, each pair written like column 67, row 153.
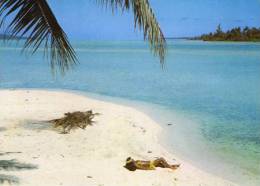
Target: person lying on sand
column 132, row 164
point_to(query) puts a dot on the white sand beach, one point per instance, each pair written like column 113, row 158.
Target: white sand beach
column 91, row 157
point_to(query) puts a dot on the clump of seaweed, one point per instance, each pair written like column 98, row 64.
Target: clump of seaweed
column 74, row 120
column 8, row 179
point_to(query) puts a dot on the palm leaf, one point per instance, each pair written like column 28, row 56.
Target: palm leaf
column 35, row 20
column 145, row 19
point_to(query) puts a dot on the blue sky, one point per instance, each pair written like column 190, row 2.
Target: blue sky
column 86, row 20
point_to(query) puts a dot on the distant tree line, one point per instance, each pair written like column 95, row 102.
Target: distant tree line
column 235, row 34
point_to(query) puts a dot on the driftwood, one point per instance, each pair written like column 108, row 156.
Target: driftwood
column 133, row 165
column 74, row 120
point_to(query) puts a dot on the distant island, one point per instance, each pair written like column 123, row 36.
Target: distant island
column 235, row 34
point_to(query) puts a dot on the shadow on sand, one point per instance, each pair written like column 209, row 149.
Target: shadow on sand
column 36, row 125
column 13, row 165
column 2, row 129
column 8, row 179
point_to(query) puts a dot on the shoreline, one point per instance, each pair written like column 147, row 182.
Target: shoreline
column 183, row 138
column 128, row 139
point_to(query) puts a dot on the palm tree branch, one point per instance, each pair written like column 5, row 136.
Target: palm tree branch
column 34, row 19
column 145, row 20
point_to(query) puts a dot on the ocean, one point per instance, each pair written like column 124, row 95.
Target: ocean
column 208, row 91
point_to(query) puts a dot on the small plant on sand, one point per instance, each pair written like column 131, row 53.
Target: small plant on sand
column 74, row 120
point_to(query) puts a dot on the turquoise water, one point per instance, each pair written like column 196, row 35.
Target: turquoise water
column 215, row 85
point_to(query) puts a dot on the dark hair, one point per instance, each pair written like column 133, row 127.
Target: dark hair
column 130, row 164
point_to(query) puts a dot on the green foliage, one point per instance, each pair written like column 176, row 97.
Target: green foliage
column 35, row 20
column 235, row 34
column 219, row 30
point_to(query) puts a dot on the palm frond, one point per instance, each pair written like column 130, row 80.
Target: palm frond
column 35, row 20
column 145, row 19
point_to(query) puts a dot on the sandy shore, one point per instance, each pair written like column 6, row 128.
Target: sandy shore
column 91, row 157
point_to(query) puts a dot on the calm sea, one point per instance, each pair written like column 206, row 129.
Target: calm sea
column 209, row 92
